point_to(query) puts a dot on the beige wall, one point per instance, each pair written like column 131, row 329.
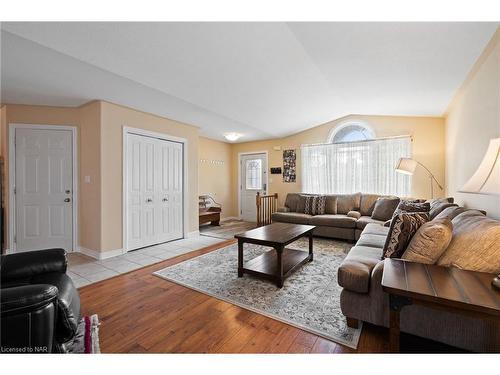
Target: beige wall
column 114, row 118
column 99, row 127
column 473, row 118
column 428, row 148
column 215, row 178
column 25, row 114
column 90, row 165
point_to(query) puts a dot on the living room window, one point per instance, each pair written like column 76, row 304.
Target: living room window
column 354, row 160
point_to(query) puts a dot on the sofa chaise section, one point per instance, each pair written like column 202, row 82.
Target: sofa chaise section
column 362, row 297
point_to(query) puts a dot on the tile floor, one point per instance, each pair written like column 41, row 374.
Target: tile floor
column 85, row 270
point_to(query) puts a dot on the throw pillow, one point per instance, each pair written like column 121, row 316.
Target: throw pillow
column 315, row 205
column 474, row 245
column 438, row 205
column 436, row 209
column 429, row 242
column 403, row 227
column 301, row 203
column 384, row 208
column 412, row 206
column 331, row 204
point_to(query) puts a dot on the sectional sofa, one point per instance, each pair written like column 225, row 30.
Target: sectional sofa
column 475, row 245
column 345, row 218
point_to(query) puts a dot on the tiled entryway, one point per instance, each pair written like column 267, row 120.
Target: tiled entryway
column 85, row 270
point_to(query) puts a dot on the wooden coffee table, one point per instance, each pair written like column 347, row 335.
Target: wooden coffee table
column 446, row 288
column 275, row 265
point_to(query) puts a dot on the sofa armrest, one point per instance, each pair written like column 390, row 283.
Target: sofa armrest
column 28, row 264
column 26, row 298
column 283, row 209
column 354, row 214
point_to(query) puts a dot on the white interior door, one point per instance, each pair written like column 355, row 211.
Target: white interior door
column 154, row 191
column 170, row 190
column 253, row 179
column 43, row 189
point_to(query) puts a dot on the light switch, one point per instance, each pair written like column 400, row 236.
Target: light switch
column 87, row 179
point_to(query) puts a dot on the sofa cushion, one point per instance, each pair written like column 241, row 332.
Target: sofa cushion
column 429, row 242
column 291, row 217
column 454, row 211
column 331, row 204
column 371, row 240
column 475, row 243
column 439, row 207
column 291, row 201
column 363, row 221
column 373, row 228
column 403, row 227
column 354, row 214
column 384, row 208
column 367, row 203
column 340, row 221
column 301, row 203
column 355, row 271
column 348, row 202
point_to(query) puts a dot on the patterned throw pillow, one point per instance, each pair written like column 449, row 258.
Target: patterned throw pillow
column 315, row 205
column 403, row 227
column 411, row 206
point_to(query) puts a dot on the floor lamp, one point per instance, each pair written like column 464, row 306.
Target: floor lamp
column 408, row 166
column 486, row 180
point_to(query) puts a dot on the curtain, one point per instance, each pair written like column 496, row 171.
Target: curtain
column 365, row 166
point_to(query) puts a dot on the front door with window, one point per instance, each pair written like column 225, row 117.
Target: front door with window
column 43, row 189
column 253, row 180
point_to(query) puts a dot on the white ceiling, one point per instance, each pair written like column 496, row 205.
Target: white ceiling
column 261, row 79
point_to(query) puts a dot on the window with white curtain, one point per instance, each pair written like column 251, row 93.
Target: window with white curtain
column 359, row 166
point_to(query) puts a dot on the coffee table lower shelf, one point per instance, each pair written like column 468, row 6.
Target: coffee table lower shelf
column 266, row 265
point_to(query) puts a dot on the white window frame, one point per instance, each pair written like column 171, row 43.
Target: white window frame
column 333, row 131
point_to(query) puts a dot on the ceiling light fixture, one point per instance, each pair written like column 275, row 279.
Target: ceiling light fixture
column 232, row 137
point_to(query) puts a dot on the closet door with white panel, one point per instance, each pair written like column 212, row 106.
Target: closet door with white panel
column 154, row 191
column 170, row 190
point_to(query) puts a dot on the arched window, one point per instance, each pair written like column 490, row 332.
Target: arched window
column 354, row 160
column 351, row 132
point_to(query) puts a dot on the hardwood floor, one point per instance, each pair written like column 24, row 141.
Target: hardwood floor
column 142, row 313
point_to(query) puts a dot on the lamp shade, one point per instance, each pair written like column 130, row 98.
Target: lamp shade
column 406, row 166
column 486, row 180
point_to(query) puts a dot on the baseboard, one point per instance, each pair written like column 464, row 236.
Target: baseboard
column 100, row 255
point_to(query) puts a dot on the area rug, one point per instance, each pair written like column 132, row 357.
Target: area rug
column 86, row 340
column 309, row 299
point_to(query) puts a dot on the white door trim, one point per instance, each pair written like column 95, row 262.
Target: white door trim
column 240, row 154
column 12, row 177
column 185, row 203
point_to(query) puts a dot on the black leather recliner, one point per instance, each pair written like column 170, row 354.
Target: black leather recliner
column 40, row 306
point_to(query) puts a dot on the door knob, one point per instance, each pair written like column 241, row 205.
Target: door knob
column 165, row 199
column 149, row 200
column 67, row 200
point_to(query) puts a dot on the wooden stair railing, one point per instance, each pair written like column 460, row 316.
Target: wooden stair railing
column 266, row 206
